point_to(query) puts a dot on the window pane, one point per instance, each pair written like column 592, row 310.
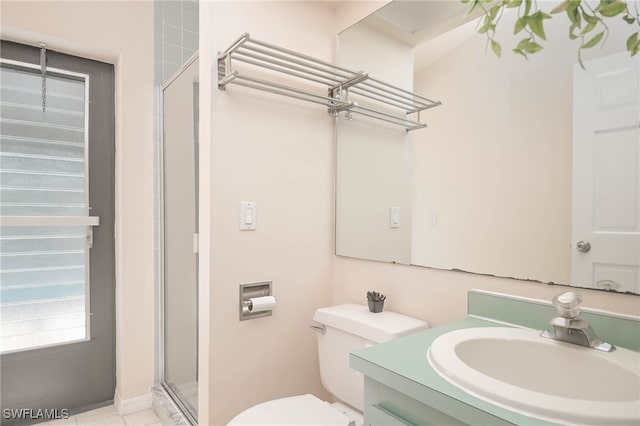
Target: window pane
column 42, row 285
column 42, row 153
column 43, row 269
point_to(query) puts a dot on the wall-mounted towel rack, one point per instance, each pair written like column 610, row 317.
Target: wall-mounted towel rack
column 337, row 88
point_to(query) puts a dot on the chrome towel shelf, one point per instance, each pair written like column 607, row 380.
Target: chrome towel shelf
column 337, row 88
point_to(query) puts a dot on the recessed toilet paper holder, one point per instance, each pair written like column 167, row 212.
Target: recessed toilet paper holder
column 254, row 291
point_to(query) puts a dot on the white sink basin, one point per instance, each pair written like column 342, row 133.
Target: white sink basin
column 555, row 381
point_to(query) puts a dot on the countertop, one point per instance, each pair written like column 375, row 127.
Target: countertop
column 402, row 365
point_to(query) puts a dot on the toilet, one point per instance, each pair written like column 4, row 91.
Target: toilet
column 341, row 329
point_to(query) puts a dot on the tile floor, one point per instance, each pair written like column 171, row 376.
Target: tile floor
column 107, row 416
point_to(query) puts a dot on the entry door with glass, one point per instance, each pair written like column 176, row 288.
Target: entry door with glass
column 57, row 286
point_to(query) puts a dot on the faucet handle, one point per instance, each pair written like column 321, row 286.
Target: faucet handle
column 568, row 304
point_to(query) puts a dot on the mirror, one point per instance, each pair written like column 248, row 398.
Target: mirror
column 180, row 219
column 525, row 165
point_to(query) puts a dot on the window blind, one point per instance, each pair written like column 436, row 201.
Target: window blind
column 43, row 174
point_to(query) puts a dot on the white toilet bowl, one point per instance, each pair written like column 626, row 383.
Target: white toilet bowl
column 341, row 330
column 301, row 410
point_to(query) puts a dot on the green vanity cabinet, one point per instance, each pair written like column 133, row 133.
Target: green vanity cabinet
column 401, row 387
column 389, row 407
column 394, row 389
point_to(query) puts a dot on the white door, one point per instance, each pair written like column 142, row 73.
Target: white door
column 606, row 174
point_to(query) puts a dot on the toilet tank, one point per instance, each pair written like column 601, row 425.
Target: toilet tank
column 351, row 327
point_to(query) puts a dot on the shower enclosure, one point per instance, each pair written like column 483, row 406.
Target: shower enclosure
column 179, row 245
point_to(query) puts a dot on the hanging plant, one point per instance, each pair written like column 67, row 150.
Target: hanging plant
column 588, row 23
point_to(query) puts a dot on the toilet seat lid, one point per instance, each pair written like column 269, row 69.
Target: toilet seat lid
column 301, row 410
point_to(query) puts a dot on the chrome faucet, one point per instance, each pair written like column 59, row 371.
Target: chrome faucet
column 570, row 327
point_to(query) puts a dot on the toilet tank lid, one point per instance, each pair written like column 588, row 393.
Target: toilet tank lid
column 379, row 327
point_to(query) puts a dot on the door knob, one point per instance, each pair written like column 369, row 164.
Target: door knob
column 583, row 246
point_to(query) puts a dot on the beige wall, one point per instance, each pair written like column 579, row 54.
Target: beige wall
column 120, row 33
column 277, row 152
column 205, row 310
column 495, row 162
column 374, row 159
column 439, row 297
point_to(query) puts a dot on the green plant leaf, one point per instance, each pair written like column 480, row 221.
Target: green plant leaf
column 559, row 8
column 473, row 7
column 590, row 18
column 523, row 43
column 533, row 47
column 572, row 36
column 574, row 16
column 574, row 4
column 497, row 49
column 536, row 24
column 584, row 18
column 612, row 9
column 486, row 27
column 580, row 60
column 590, row 26
column 604, row 3
column 632, row 41
column 595, row 40
column 629, row 19
column 493, row 12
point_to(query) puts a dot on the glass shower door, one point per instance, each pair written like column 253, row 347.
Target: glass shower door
column 180, row 236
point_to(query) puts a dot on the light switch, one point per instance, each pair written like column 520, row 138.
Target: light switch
column 247, row 215
column 394, row 214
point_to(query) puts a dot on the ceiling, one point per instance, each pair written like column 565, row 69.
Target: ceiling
column 432, row 27
column 415, row 17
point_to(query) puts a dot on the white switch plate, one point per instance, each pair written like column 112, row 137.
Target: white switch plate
column 247, row 216
column 394, row 217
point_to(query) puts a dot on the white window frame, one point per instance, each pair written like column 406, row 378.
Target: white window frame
column 88, row 221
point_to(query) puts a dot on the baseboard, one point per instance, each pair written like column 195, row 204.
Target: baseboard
column 131, row 405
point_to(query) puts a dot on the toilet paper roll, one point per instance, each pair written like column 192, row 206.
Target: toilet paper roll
column 261, row 304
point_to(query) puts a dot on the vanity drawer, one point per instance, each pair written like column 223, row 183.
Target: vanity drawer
column 379, row 416
column 422, row 415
